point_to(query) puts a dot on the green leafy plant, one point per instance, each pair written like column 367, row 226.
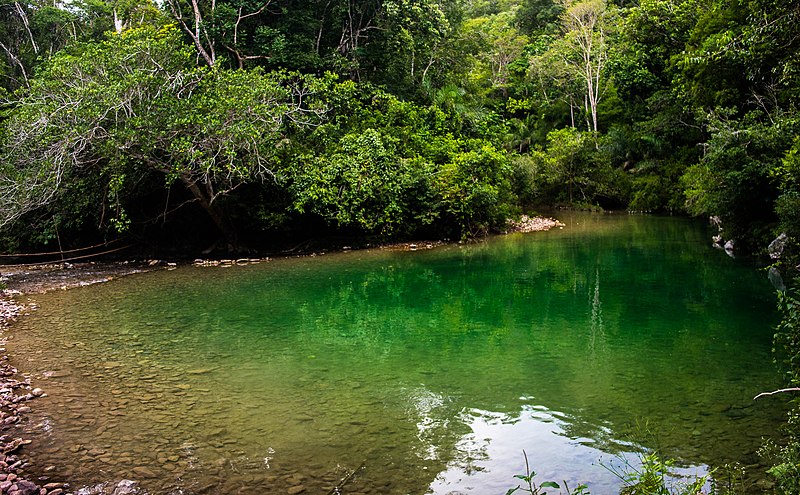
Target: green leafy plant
column 785, row 458
column 730, row 480
column 532, row 488
column 654, row 477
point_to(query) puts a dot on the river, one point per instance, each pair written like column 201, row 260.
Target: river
column 410, row 372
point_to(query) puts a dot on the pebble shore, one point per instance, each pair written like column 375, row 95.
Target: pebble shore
column 533, row 224
column 15, row 393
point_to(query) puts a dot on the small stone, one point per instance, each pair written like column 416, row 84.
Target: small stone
column 296, row 489
column 200, row 371
column 144, row 472
column 27, row 488
column 37, row 392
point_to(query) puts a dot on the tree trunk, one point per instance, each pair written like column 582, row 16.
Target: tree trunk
column 222, row 223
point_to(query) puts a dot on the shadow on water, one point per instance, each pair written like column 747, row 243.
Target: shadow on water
column 422, row 371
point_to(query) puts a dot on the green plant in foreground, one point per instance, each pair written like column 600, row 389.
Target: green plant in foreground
column 654, row 477
column 533, row 489
column 785, row 456
column 730, row 480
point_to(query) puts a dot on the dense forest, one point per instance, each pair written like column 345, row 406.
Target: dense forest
column 254, row 120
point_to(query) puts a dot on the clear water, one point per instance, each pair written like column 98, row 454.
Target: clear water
column 423, row 372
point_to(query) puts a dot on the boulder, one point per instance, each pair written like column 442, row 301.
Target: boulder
column 776, row 247
column 729, row 247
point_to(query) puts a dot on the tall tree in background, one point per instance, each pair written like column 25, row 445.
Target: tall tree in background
column 572, row 67
column 586, row 50
column 32, row 32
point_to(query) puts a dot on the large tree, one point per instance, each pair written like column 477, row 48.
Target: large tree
column 135, row 104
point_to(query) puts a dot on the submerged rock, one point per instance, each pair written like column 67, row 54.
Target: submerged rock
column 144, row 472
column 775, row 278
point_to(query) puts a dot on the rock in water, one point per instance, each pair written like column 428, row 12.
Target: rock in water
column 126, row 487
column 775, row 279
column 776, row 246
column 144, row 472
column 729, row 248
column 27, row 488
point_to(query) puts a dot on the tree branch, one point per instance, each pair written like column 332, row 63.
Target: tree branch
column 764, row 394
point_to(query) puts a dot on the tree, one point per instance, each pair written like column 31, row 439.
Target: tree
column 585, row 24
column 500, row 45
column 568, row 162
column 572, row 67
column 539, row 16
column 136, row 104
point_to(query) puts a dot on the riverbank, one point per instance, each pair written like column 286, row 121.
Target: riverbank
column 16, row 391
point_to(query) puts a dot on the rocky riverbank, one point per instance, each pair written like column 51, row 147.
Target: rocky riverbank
column 15, row 395
column 16, row 392
column 533, row 224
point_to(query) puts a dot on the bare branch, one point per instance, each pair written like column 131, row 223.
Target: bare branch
column 783, row 390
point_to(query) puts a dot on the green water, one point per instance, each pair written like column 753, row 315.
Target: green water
column 425, row 372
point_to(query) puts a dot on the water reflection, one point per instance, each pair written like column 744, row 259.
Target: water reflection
column 491, row 455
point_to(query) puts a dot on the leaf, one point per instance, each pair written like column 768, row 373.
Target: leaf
column 512, row 490
column 550, row 484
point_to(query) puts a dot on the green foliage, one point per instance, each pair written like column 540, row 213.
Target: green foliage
column 473, row 189
column 786, row 456
column 393, row 168
column 539, row 15
column 787, row 335
column 734, row 177
column 532, row 488
column 655, row 477
column 363, row 183
column 691, row 106
column 786, row 460
column 135, row 105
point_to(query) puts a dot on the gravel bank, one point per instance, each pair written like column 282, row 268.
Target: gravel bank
column 16, row 392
